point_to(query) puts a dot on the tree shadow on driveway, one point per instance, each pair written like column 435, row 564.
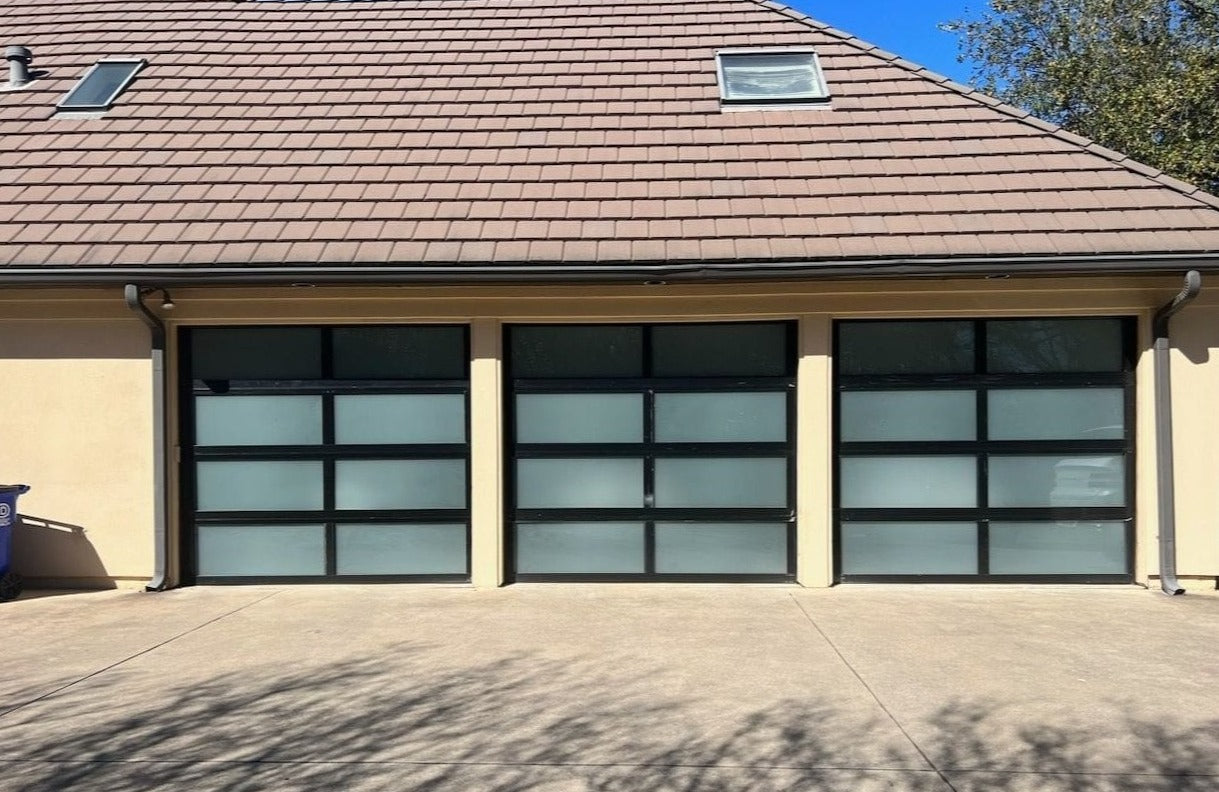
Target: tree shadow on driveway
column 401, row 720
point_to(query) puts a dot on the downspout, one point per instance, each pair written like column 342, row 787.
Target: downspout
column 156, row 330
column 1164, row 451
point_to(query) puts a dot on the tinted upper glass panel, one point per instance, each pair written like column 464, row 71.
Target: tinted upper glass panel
column 719, row 350
column 101, row 85
column 399, row 353
column 1030, row 346
column 763, row 76
column 256, row 353
column 575, row 351
column 906, row 347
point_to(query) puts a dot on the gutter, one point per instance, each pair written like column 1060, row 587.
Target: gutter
column 156, row 330
column 1164, row 449
column 312, row 273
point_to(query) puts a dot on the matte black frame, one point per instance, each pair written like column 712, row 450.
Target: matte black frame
column 648, row 450
column 327, row 452
column 982, row 515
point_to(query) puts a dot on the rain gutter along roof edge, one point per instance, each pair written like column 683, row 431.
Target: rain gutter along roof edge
column 559, row 274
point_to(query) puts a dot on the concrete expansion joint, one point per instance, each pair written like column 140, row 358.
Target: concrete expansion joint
column 133, row 656
column 872, row 693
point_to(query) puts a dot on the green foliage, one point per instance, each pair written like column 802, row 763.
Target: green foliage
column 1138, row 76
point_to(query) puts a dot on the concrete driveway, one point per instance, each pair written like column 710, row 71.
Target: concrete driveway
column 590, row 687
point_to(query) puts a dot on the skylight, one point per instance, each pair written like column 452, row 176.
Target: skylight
column 771, row 77
column 102, row 84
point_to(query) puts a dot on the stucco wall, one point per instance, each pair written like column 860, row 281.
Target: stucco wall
column 76, row 425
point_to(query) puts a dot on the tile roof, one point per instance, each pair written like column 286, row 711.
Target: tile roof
column 530, row 132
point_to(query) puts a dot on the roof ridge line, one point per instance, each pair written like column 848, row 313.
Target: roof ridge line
column 1061, row 133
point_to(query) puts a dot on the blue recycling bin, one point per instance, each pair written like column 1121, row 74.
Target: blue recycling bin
column 10, row 581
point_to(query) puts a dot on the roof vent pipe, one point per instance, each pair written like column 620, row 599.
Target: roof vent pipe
column 1164, row 451
column 19, row 59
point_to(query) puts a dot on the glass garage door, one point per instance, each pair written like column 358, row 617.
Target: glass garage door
column 659, row 452
column 992, row 450
column 322, row 453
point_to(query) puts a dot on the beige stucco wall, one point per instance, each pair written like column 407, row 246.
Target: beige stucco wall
column 76, row 425
column 122, row 527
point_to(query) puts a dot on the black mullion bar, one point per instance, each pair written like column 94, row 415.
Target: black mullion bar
column 712, row 514
column 1130, row 459
column 336, row 515
column 793, row 494
column 235, row 580
column 660, row 577
column 1001, row 514
column 315, row 387
column 329, row 465
column 982, row 456
column 1006, row 447
column 189, row 544
column 633, row 450
column 331, row 451
column 791, row 548
column 897, row 382
column 660, row 384
column 1090, row 579
column 649, row 462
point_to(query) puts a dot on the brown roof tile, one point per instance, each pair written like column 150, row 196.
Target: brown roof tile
column 438, row 133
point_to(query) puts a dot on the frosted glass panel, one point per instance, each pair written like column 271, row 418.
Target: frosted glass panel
column 579, row 418
column 579, row 548
column 259, row 486
column 579, row 483
column 908, row 415
column 385, row 549
column 400, row 484
column 705, row 483
column 1057, row 414
column 1062, row 548
column 909, row 481
column 400, row 418
column 719, row 350
column 721, row 417
column 909, row 548
column 402, row 352
column 1036, row 345
column 1057, row 481
column 261, row 550
column 577, row 351
column 256, row 353
column 721, row 548
column 258, row 420
column 905, row 347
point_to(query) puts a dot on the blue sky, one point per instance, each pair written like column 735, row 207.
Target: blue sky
column 906, row 27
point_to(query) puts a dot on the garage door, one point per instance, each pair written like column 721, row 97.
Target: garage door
column 985, row 450
column 651, row 452
column 325, row 453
